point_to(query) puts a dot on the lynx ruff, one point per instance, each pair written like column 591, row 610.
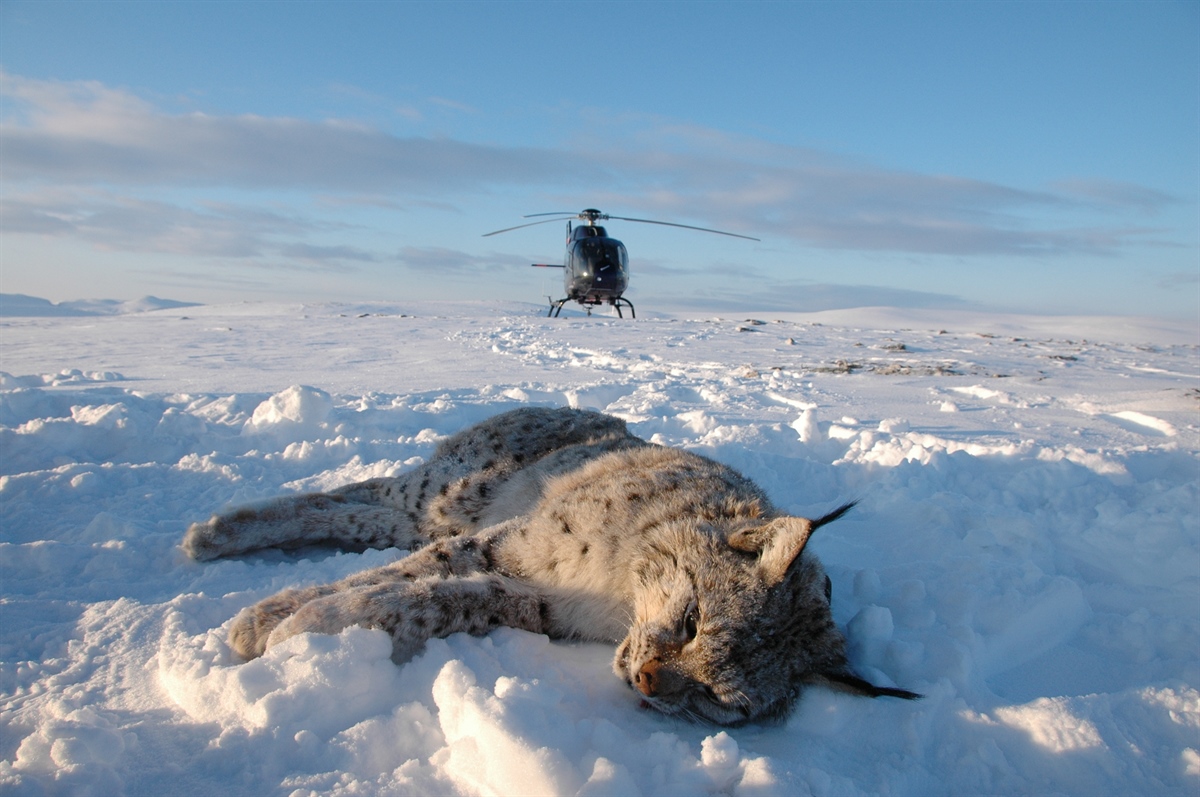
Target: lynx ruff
column 561, row 522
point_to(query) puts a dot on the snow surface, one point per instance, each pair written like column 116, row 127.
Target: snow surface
column 1026, row 552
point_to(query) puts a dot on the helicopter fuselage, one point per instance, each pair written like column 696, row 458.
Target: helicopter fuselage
column 596, row 267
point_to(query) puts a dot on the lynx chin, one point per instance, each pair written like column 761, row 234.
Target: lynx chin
column 561, row 522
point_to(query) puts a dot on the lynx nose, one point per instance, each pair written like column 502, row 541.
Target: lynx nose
column 646, row 679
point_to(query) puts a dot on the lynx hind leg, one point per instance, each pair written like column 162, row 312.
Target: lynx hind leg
column 413, row 599
column 416, row 611
column 520, row 437
column 300, row 520
column 463, row 487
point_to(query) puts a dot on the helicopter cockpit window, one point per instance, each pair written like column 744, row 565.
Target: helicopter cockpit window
column 589, row 231
column 601, row 256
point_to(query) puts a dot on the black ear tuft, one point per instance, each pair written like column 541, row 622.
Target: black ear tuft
column 832, row 516
column 848, row 682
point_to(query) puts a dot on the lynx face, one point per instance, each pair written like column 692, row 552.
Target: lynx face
column 730, row 635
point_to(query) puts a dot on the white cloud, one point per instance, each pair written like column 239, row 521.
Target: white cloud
column 440, row 260
column 799, row 297
column 1113, row 195
column 1180, row 281
column 114, row 222
column 314, row 253
column 88, row 134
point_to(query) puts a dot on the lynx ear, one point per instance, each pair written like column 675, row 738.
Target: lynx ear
column 777, row 544
column 781, row 541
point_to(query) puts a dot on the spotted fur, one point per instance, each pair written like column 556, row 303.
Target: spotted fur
column 562, row 523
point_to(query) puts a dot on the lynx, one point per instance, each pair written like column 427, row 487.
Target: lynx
column 561, row 522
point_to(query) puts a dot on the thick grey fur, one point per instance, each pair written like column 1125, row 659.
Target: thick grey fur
column 561, row 522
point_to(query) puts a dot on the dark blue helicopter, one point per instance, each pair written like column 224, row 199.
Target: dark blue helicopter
column 596, row 267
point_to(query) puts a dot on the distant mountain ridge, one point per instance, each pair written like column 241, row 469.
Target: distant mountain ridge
column 18, row 304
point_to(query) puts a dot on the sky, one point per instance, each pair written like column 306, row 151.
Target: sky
column 1038, row 157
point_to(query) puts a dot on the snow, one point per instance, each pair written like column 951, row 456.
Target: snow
column 1026, row 551
column 18, row 304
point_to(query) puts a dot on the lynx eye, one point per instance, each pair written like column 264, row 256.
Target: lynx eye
column 691, row 621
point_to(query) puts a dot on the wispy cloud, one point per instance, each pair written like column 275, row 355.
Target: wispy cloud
column 325, row 254
column 1180, row 281
column 441, row 260
column 1118, row 196
column 376, row 100
column 836, row 202
column 453, row 105
column 124, row 223
column 87, row 134
column 115, row 222
column 815, row 297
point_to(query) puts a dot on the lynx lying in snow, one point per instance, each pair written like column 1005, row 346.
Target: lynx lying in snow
column 560, row 522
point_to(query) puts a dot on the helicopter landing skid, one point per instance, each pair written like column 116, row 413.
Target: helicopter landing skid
column 557, row 306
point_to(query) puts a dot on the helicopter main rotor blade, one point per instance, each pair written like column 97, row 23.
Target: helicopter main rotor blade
column 684, row 226
column 591, row 216
column 520, row 226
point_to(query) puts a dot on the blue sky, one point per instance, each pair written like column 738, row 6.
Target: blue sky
column 1027, row 156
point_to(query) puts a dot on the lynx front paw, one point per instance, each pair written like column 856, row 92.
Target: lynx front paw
column 325, row 615
column 252, row 628
column 208, row 540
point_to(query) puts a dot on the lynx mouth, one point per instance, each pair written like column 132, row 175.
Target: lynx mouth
column 699, row 704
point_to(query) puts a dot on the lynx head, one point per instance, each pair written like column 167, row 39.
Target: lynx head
column 731, row 624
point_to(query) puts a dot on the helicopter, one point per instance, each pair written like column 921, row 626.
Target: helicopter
column 596, row 267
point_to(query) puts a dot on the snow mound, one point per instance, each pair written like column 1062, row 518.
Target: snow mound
column 292, row 414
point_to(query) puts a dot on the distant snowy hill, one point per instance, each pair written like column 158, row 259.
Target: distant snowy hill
column 18, row 304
